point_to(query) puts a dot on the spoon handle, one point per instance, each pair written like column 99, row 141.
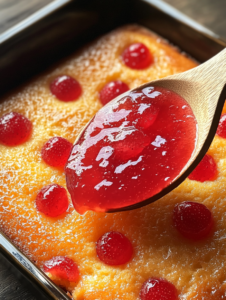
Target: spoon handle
column 211, row 75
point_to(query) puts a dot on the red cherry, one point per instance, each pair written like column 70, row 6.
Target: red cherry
column 65, row 88
column 62, row 267
column 221, row 130
column 15, row 129
column 137, row 56
column 111, row 90
column 56, row 151
column 158, row 289
column 205, row 171
column 52, row 200
column 113, row 248
column 193, row 220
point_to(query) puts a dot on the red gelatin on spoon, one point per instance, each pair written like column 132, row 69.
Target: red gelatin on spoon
column 62, row 267
column 131, row 150
column 135, row 144
column 113, row 248
column 158, row 289
column 15, row 129
column 144, row 114
column 193, row 220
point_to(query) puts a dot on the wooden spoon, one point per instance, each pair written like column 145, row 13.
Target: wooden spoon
column 204, row 88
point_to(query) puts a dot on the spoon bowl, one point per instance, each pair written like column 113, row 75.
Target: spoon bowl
column 204, row 90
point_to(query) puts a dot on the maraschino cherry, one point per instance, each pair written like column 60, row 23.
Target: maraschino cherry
column 111, row 90
column 193, row 220
column 113, row 248
column 56, row 151
column 205, row 171
column 158, row 289
column 52, row 200
column 15, row 129
column 137, row 56
column 221, row 130
column 65, row 88
column 62, row 267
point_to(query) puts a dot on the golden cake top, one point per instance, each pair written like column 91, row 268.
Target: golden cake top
column 196, row 269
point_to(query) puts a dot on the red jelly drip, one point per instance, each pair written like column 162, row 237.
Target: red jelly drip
column 62, row 267
column 15, row 129
column 111, row 90
column 56, row 151
column 131, row 150
column 137, row 56
column 65, row 88
column 52, row 200
column 221, row 130
column 113, row 248
column 205, row 171
column 158, row 289
column 193, row 220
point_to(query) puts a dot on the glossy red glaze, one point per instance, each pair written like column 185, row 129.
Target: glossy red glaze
column 193, row 220
column 65, row 88
column 131, row 150
column 62, row 267
column 56, row 151
column 113, row 248
column 205, row 171
column 143, row 116
column 137, row 56
column 15, row 129
column 221, row 130
column 158, row 289
column 111, row 90
column 52, row 200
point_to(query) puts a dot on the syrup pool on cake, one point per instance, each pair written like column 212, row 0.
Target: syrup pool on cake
column 132, row 149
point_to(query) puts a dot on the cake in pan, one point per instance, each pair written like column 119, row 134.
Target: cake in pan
column 173, row 248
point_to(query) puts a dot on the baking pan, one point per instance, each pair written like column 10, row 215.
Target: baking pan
column 58, row 30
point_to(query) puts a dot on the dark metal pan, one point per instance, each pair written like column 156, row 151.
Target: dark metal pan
column 58, row 30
